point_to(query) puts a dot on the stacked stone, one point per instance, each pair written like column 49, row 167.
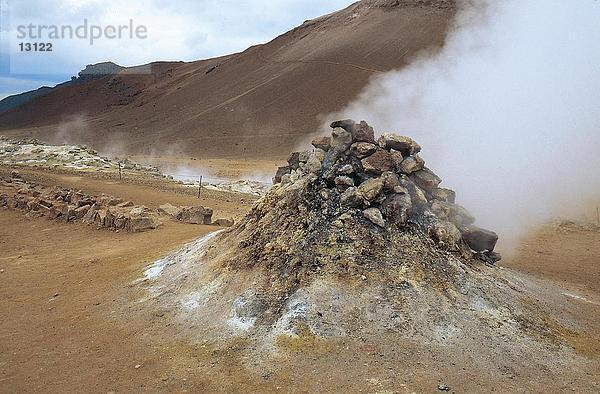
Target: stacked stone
column 388, row 181
column 70, row 206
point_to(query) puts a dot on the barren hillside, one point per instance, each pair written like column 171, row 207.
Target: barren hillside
column 236, row 105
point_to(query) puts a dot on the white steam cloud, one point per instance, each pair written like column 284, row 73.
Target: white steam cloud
column 508, row 112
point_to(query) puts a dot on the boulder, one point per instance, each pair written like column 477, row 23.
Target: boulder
column 345, row 169
column 478, row 239
column 405, row 145
column 369, row 190
column 397, row 159
column 378, row 162
column 390, row 180
column 374, row 216
column 138, row 223
column 170, row 210
column 362, row 149
column 195, row 215
column 314, row 163
column 323, row 143
column 125, row 204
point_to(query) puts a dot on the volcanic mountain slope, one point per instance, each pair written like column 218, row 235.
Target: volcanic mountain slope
column 357, row 242
column 237, row 104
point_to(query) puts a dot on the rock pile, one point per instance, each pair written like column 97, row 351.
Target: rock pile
column 70, row 206
column 383, row 181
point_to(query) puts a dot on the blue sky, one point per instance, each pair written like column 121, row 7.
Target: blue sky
column 182, row 30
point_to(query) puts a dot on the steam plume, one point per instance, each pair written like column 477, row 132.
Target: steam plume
column 508, row 111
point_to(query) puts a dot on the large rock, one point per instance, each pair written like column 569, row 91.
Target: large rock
column 341, row 139
column 170, row 210
column 378, row 162
column 223, row 222
column 195, row 215
column 478, row 239
column 294, row 160
column 138, row 223
column 446, row 233
column 405, row 145
column 374, row 215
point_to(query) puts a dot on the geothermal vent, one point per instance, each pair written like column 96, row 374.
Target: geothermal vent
column 355, row 239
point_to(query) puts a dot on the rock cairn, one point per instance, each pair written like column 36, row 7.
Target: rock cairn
column 70, row 205
column 385, row 180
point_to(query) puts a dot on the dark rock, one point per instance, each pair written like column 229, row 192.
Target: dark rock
column 362, row 132
column 294, row 160
column 343, row 182
column 478, row 239
column 346, row 124
column 281, row 171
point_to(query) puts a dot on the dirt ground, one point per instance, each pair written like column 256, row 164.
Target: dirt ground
column 65, row 325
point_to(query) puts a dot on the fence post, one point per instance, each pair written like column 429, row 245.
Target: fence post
column 200, row 186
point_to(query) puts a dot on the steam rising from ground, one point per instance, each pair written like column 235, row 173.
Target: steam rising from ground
column 508, row 112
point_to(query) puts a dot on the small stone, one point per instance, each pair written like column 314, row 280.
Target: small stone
column 443, row 387
column 362, row 132
column 374, row 215
column 362, row 149
column 281, row 171
column 346, row 169
column 346, row 124
column 445, row 195
column 341, row 139
column 344, row 182
column 412, row 164
column 351, row 198
column 390, row 180
column 426, row 179
column 137, row 366
column 370, row 189
column 378, row 162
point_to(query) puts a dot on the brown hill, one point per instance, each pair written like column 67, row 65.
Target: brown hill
column 237, row 104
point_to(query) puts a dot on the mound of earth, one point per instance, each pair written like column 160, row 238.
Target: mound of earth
column 356, row 240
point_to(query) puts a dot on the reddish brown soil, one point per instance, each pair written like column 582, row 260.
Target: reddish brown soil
column 66, row 325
